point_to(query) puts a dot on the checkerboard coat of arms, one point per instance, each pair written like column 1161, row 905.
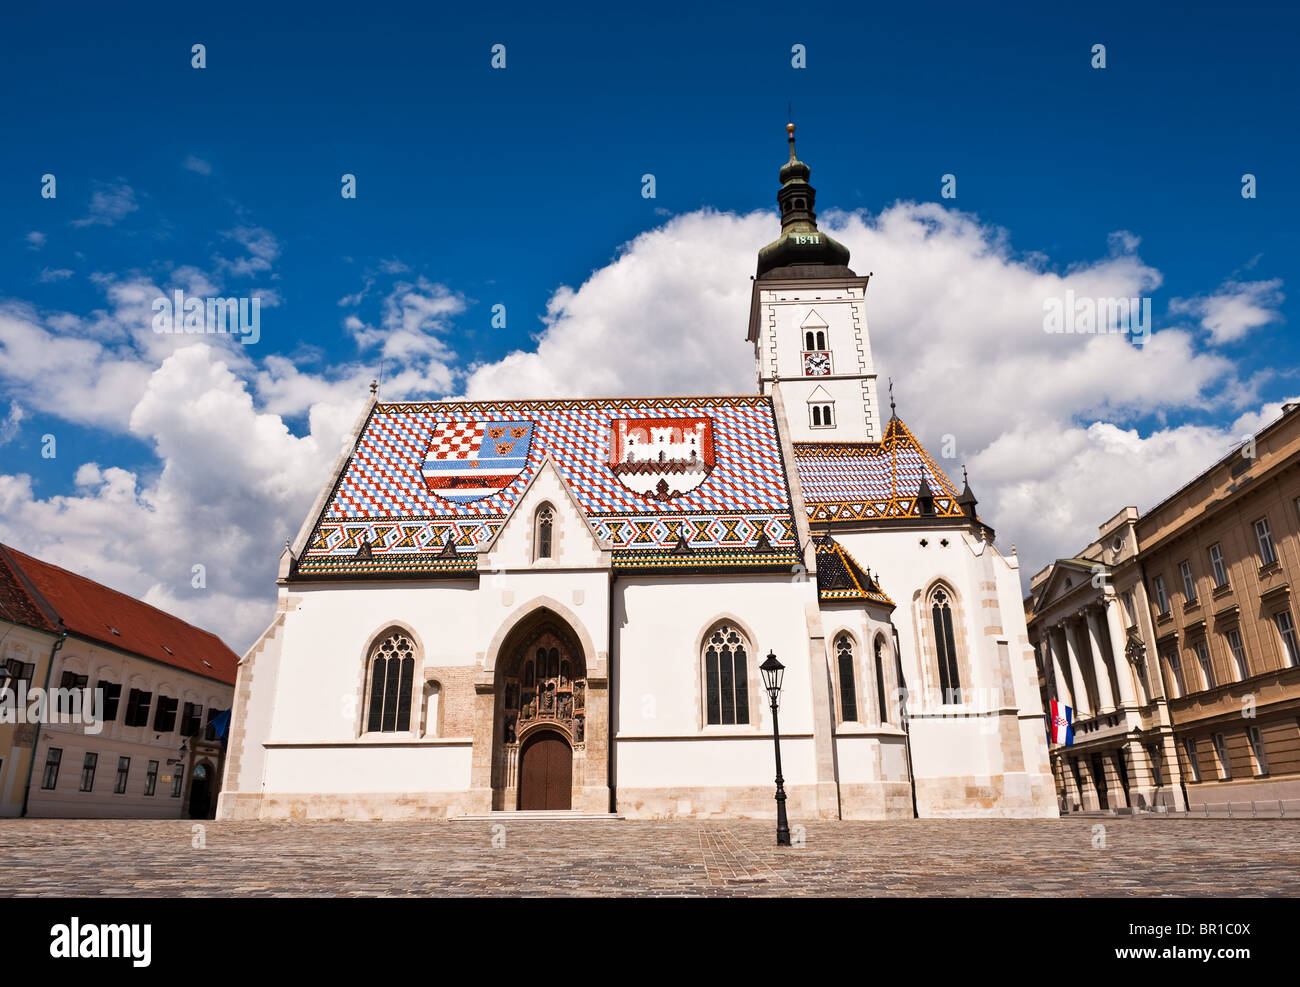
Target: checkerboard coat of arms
column 470, row 460
column 661, row 458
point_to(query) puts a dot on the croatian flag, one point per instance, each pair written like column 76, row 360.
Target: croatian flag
column 1060, row 724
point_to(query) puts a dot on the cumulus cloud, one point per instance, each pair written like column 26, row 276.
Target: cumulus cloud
column 1047, row 423
column 49, row 275
column 11, row 422
column 35, row 240
column 109, row 204
column 197, row 165
column 1235, row 309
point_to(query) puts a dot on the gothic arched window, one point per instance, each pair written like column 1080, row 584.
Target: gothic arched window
column 809, row 340
column 821, row 340
column 945, row 645
column 880, row 681
column 545, row 531
column 392, row 670
column 848, row 687
column 817, row 415
column 726, row 676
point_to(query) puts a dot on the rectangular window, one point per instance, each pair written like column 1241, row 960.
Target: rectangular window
column 88, row 772
column 1221, row 754
column 1217, row 568
column 1264, row 537
column 1130, row 614
column 52, row 760
column 1193, row 766
column 137, row 708
column 1203, row 659
column 164, row 719
column 112, row 697
column 1189, row 584
column 210, row 733
column 69, row 682
column 1287, row 629
column 1162, row 598
column 123, row 771
column 1176, row 669
column 151, row 778
column 14, row 672
column 1238, row 653
column 177, row 779
column 1257, row 750
column 192, row 719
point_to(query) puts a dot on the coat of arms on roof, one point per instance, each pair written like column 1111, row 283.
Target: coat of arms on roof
column 661, row 458
column 470, row 460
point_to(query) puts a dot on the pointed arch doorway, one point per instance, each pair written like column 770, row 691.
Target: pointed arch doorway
column 545, row 772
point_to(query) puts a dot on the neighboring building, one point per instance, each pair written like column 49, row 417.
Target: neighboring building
column 558, row 604
column 157, row 684
column 1205, row 624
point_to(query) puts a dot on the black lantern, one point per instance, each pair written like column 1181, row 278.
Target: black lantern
column 773, row 671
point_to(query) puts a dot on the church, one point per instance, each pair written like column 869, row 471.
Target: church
column 533, row 605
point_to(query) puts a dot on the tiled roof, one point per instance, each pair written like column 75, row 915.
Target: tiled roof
column 91, row 610
column 840, row 577
column 18, row 604
column 424, row 472
column 844, row 481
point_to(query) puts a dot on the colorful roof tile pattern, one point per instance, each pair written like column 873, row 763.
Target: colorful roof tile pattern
column 91, row 610
column 650, row 474
column 856, row 481
column 840, row 578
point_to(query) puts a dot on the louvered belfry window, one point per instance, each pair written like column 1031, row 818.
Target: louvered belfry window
column 726, row 677
column 391, row 674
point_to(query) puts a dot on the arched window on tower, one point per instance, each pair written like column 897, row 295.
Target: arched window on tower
column 821, row 415
column 880, row 680
column 809, row 340
column 848, row 686
column 817, row 415
column 945, row 645
column 726, row 676
column 545, row 534
column 821, row 340
column 392, row 670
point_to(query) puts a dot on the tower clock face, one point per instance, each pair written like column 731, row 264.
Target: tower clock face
column 816, row 364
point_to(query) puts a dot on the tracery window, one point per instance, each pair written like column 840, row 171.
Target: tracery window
column 392, row 672
column 848, row 688
column 726, row 676
column 880, row 681
column 545, row 531
column 945, row 645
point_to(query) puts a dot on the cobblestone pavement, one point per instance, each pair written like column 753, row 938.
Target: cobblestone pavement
column 711, row 858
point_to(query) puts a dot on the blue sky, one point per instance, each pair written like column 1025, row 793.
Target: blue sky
column 484, row 186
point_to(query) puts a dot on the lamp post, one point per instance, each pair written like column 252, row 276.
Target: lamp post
column 773, row 671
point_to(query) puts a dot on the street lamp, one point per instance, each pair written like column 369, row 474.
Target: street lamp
column 773, row 671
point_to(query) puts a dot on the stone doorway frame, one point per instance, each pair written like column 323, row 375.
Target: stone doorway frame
column 494, row 774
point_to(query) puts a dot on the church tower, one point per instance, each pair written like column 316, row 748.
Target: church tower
column 808, row 323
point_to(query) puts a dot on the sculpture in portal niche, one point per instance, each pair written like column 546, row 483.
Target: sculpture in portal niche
column 566, row 705
column 579, row 730
column 579, row 693
column 510, row 730
column 548, row 698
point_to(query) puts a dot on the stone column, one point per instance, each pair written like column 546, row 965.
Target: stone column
column 1118, row 639
column 1064, row 693
column 1105, row 699
column 1081, row 703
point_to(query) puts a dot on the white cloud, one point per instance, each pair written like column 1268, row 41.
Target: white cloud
column 10, row 424
column 262, row 246
column 51, row 274
column 109, row 204
column 1235, row 309
column 35, row 240
column 197, row 165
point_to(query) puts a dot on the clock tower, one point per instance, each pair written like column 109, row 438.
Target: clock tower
column 808, row 323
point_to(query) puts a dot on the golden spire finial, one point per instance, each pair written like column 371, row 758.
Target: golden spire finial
column 789, row 129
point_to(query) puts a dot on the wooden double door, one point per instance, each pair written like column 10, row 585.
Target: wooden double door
column 546, row 772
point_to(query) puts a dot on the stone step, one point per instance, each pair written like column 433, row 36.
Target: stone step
column 541, row 815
